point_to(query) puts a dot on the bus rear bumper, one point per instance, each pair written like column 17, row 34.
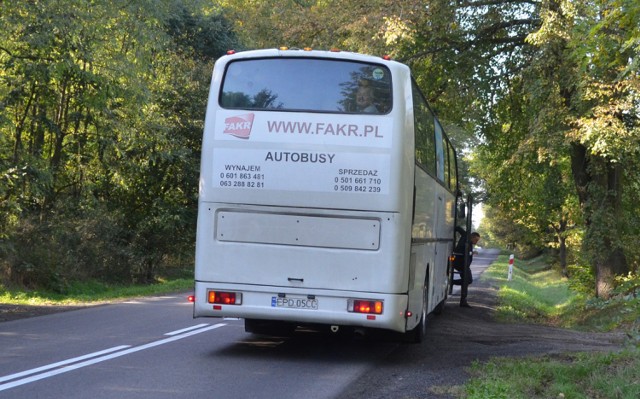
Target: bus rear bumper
column 303, row 306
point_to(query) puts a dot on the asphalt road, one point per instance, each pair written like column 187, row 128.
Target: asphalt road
column 153, row 348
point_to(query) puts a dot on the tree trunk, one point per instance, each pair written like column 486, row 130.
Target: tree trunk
column 561, row 230
column 613, row 262
column 563, row 256
column 599, row 186
column 562, row 239
column 20, row 126
column 607, row 270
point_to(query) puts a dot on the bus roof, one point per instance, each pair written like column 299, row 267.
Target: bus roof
column 296, row 52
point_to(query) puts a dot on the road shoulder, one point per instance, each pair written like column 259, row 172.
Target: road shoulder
column 438, row 367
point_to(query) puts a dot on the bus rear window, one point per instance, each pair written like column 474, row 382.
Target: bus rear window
column 307, row 84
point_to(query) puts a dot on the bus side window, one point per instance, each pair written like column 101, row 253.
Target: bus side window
column 440, row 155
column 424, row 132
column 453, row 169
column 445, row 150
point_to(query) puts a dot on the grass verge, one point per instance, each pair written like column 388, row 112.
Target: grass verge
column 92, row 292
column 582, row 375
column 537, row 293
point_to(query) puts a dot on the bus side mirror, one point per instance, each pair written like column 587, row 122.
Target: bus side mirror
column 462, row 213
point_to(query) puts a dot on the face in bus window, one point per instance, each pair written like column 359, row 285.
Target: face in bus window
column 364, row 100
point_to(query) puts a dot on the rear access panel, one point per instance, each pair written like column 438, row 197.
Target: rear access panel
column 297, row 230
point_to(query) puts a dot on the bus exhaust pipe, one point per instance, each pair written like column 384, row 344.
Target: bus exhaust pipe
column 334, row 329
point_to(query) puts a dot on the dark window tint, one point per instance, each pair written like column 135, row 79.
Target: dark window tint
column 453, row 168
column 307, row 84
column 424, row 132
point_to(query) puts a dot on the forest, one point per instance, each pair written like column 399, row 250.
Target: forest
column 102, row 107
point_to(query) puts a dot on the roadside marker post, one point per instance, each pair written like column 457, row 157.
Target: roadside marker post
column 510, row 273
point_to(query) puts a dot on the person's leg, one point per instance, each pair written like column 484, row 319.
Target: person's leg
column 458, row 267
column 464, row 289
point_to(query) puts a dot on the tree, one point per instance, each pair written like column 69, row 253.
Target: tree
column 101, row 113
column 554, row 85
column 589, row 75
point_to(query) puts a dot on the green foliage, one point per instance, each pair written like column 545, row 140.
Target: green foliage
column 348, row 25
column 101, row 114
column 582, row 279
column 628, row 285
column 539, row 293
column 609, row 375
column 536, row 293
column 93, row 244
column 102, row 103
column 92, row 292
column 622, row 308
column 563, row 135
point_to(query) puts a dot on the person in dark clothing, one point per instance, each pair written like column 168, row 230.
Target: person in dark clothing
column 466, row 277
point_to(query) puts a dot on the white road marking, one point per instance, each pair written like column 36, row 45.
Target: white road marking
column 90, row 362
column 62, row 363
column 186, row 329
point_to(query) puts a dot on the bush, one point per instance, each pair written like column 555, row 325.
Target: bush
column 93, row 244
column 582, row 279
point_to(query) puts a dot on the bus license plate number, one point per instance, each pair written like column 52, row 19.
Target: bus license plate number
column 294, row 303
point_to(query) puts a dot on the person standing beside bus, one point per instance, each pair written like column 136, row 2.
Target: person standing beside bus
column 466, row 277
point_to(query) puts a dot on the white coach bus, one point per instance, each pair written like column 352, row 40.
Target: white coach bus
column 327, row 195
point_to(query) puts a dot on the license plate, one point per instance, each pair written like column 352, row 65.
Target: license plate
column 294, row 303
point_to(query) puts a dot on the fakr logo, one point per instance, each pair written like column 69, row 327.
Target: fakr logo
column 239, row 126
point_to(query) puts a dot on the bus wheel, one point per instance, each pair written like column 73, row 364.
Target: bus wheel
column 418, row 333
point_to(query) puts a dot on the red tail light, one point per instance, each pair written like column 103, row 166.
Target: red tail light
column 224, row 298
column 367, row 306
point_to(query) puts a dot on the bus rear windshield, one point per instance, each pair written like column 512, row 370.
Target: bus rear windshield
column 307, row 84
